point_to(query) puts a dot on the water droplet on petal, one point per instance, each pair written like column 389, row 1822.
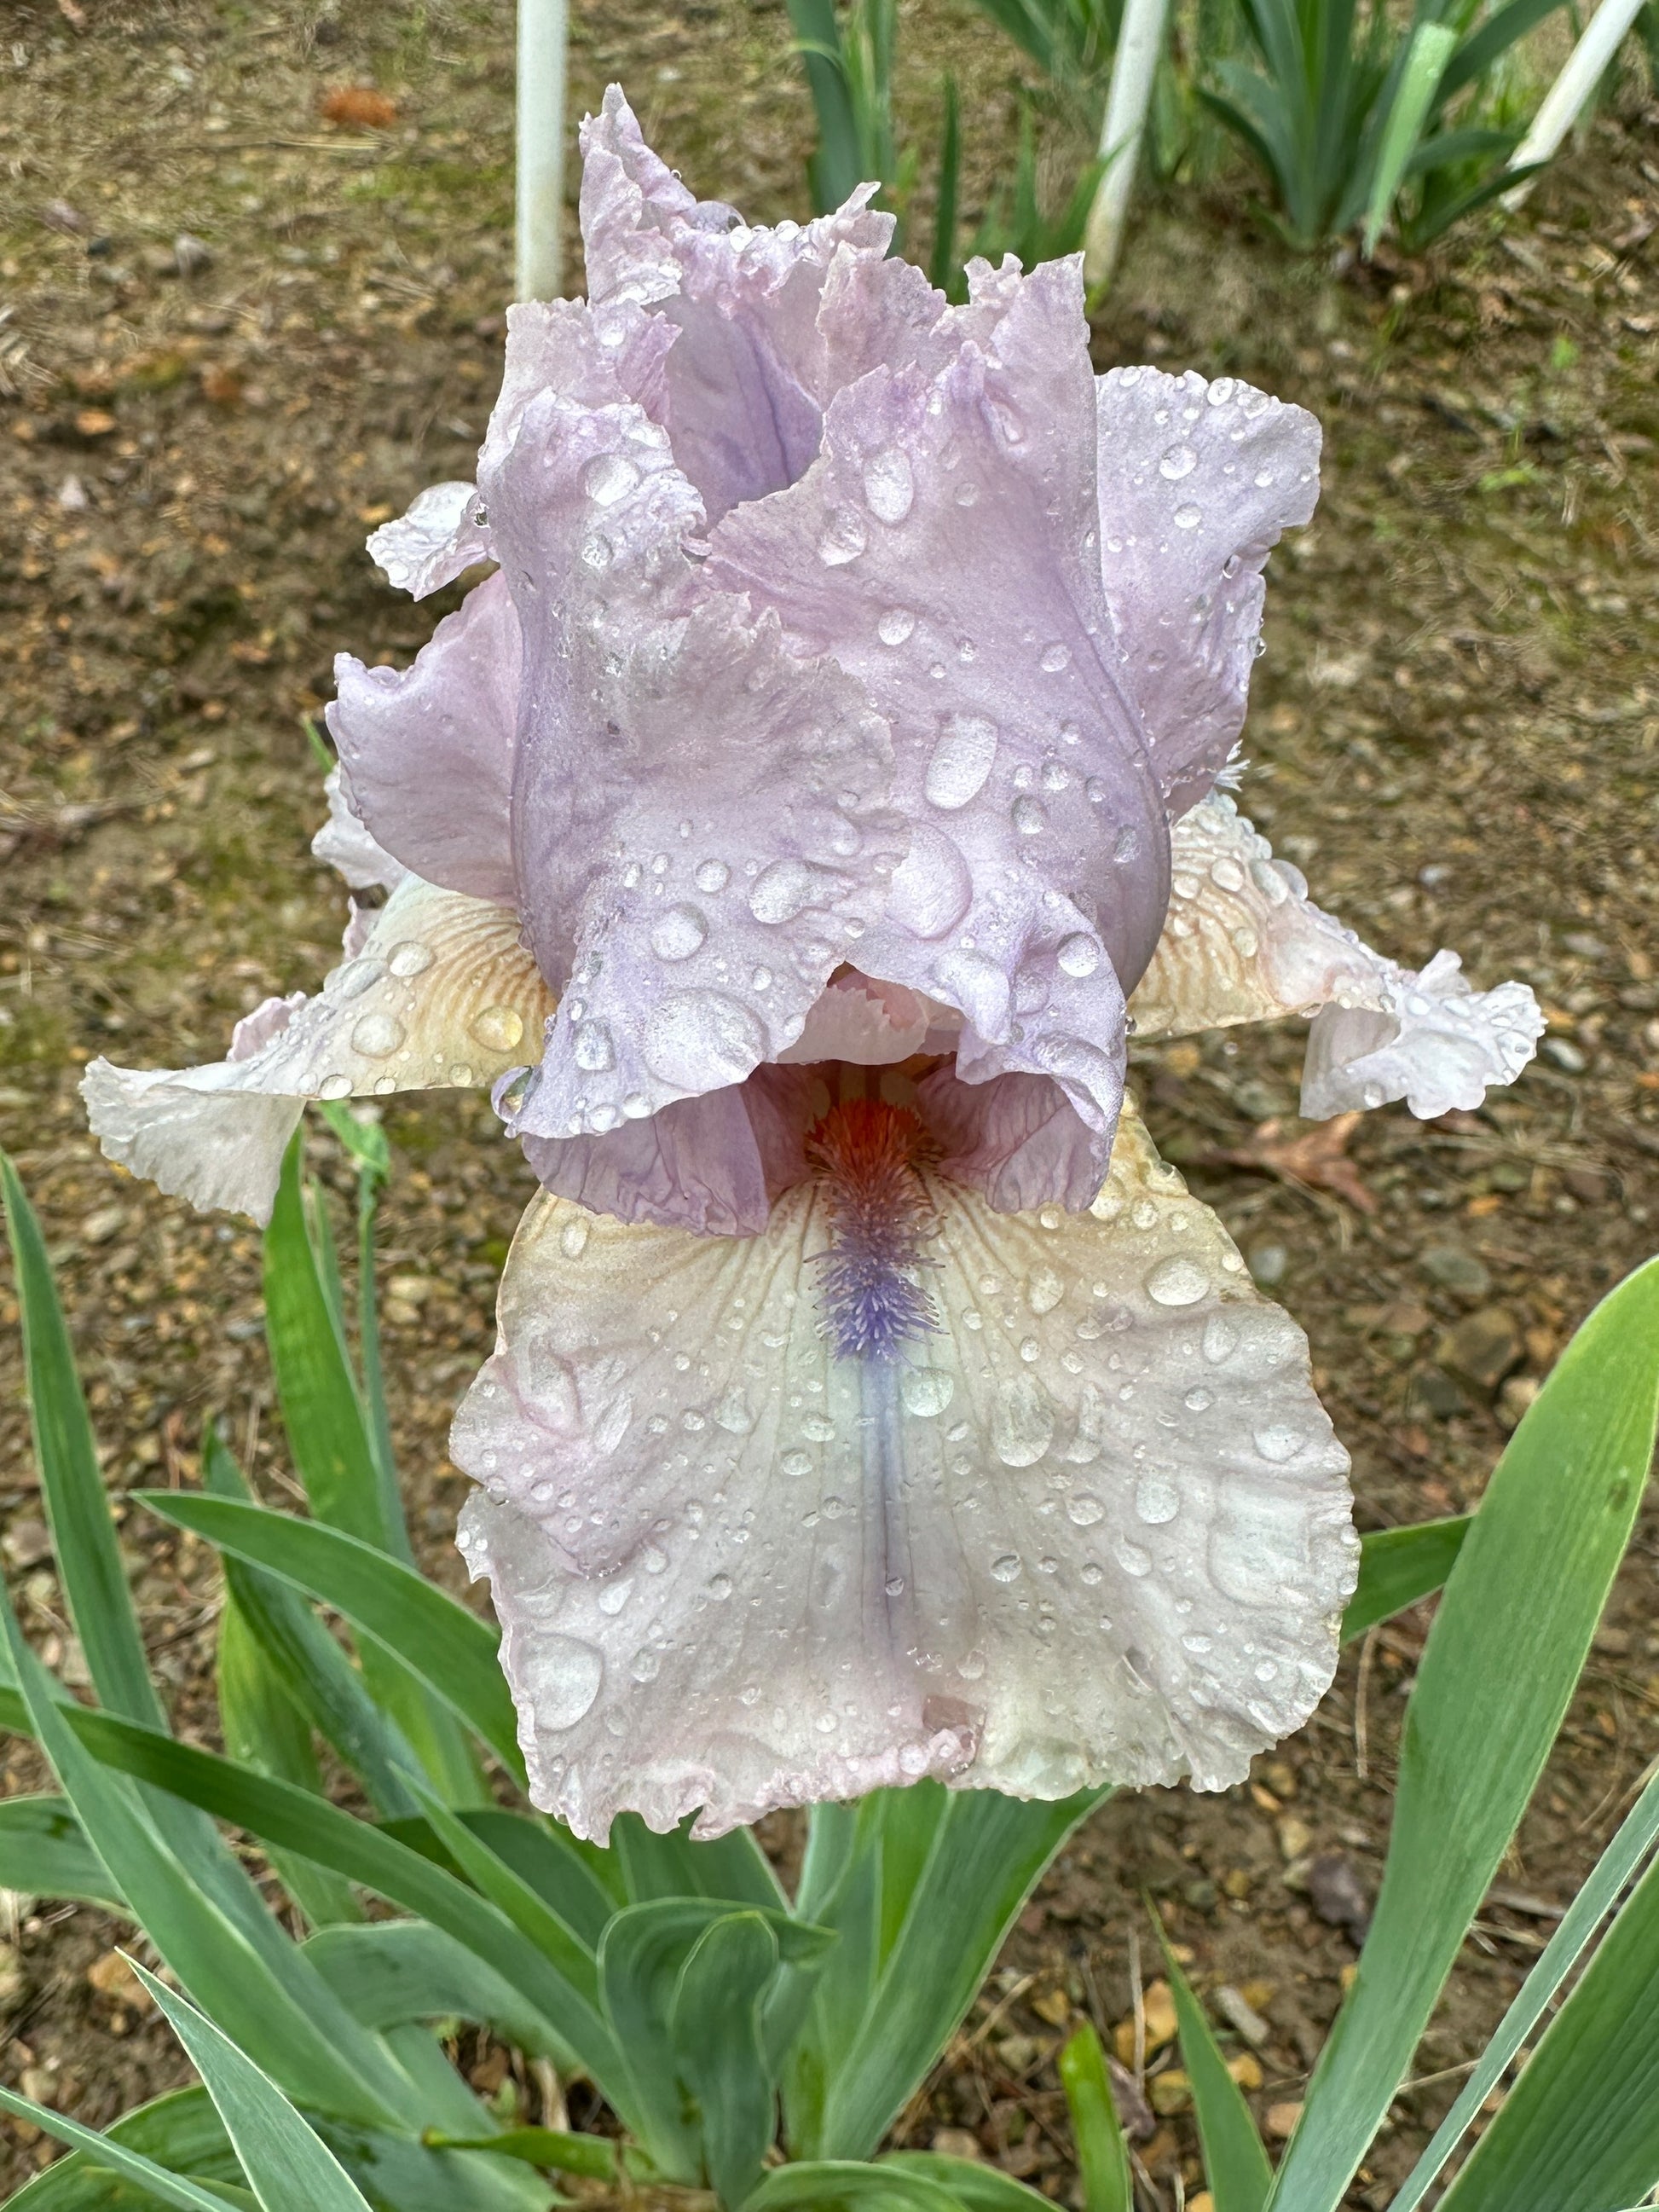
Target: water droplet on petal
column 498, row 1029
column 378, row 1036
column 1177, row 1282
column 1022, row 1422
column 713, row 876
column 1005, row 1569
column 931, row 889
column 609, row 477
column 678, row 932
column 962, row 755
column 1279, row 1443
column 698, row 1041
column 1028, row 815
column 335, row 1086
column 1227, row 874
column 1078, row 954
column 784, row 890
column 1044, row 1290
column 889, row 487
column 1179, row 461
column 1083, row 1510
column 410, row 958
column 896, row 625
column 1157, row 1499
column 844, row 538
column 1054, row 658
column 925, row 1391
column 573, row 1237
column 1132, row 1558
column 1220, row 1340
column 1187, row 516
column 593, row 1048
column 569, row 1673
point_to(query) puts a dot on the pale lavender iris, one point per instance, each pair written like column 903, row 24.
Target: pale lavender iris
column 787, row 830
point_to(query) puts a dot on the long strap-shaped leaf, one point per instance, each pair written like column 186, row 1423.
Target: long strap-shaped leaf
column 1234, row 2159
column 294, row 2020
column 158, row 2182
column 180, row 2131
column 277, row 1812
column 984, row 1853
column 1635, row 1838
column 1580, row 2130
column 289, row 2168
column 1398, row 1566
column 95, row 1585
column 43, row 1851
column 450, row 1648
column 1513, row 1628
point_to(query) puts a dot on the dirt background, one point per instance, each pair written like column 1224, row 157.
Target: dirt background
column 235, row 337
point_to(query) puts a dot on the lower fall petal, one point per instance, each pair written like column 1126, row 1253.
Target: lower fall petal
column 1091, row 1524
column 441, row 994
column 1243, row 942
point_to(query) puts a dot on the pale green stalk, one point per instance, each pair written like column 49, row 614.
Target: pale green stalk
column 1134, row 67
column 540, row 182
column 1568, row 96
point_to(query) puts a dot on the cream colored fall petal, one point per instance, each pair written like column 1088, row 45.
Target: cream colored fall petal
column 441, row 994
column 1094, row 1529
column 1243, row 942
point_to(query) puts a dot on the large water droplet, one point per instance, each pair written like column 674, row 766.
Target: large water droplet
column 563, row 1681
column 698, row 1041
column 925, row 1391
column 1022, row 1422
column 1177, row 1282
column 1157, row 1499
column 1044, row 1290
column 1132, row 1558
column 962, row 755
column 378, row 1036
column 678, row 932
column 1078, row 954
column 335, row 1086
column 784, row 890
column 894, row 625
column 844, row 538
column 1054, row 658
column 1179, row 461
column 931, row 889
column 594, row 1051
column 1083, row 1510
column 355, row 978
column 713, row 876
column 1028, row 815
column 573, row 1237
column 1005, row 1569
column 734, row 1413
column 410, row 958
column 609, row 477
column 1187, row 516
column 889, row 487
column 1279, row 1443
column 1227, row 874
column 498, row 1029
column 1219, row 1341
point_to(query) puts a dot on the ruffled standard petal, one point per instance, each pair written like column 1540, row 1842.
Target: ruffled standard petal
column 743, row 396
column 946, row 551
column 1245, row 943
column 429, row 749
column 699, row 816
column 442, row 994
column 1197, row 481
column 1095, row 1529
column 747, row 854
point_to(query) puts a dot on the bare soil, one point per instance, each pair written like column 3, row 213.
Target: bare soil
column 1454, row 732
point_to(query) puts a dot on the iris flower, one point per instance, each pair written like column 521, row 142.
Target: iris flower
column 791, row 829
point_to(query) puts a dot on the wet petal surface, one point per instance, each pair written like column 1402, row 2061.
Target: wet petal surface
column 1245, row 943
column 441, row 994
column 1093, row 1526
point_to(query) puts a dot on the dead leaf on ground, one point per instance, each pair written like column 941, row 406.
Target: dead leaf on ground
column 1317, row 1158
column 359, row 106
